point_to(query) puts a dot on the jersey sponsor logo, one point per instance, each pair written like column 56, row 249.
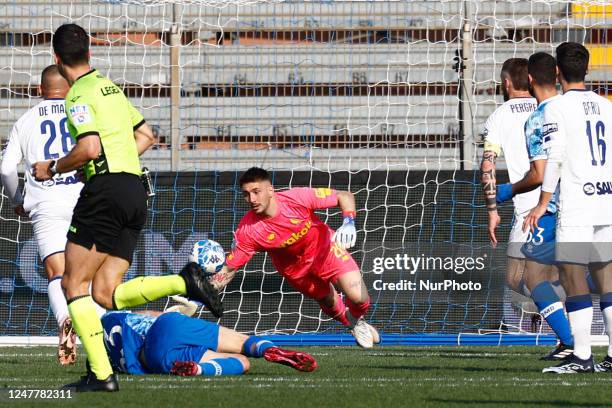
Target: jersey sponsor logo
column 589, row 189
column 601, row 188
column 271, row 237
column 549, row 128
column 296, row 236
column 322, row 192
column 80, row 114
column 109, row 90
column 66, row 180
column 76, row 98
column 60, row 181
column 294, row 221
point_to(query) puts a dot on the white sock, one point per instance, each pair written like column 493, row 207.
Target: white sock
column 57, row 300
column 607, row 315
column 99, row 309
column 580, row 323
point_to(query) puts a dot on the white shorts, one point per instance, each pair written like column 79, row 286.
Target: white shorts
column 584, row 244
column 517, row 237
column 50, row 224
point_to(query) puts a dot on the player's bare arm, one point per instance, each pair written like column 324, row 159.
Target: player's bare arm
column 144, row 138
column 346, row 201
column 86, row 149
column 488, row 182
column 531, row 220
column 532, row 180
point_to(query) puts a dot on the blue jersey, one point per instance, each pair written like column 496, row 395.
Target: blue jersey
column 124, row 334
column 538, row 143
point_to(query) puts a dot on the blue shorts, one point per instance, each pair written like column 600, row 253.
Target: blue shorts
column 176, row 337
column 540, row 245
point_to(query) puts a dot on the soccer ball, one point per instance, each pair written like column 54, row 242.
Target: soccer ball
column 209, row 255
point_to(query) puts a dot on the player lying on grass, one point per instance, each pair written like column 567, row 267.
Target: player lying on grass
column 172, row 343
column 309, row 255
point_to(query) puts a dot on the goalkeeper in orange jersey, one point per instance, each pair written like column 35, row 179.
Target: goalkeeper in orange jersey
column 303, row 249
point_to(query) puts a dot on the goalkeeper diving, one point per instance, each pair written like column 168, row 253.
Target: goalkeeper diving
column 173, row 343
column 304, row 250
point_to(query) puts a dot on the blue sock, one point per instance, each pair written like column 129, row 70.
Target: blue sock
column 222, row 366
column 255, row 346
column 551, row 309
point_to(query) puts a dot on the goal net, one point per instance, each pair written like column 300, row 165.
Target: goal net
column 383, row 98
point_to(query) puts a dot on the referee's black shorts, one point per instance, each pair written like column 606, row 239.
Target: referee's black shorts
column 110, row 212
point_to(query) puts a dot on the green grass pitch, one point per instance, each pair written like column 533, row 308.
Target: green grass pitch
column 347, row 377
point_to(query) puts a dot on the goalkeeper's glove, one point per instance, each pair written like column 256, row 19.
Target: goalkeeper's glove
column 346, row 236
column 185, row 306
column 504, row 193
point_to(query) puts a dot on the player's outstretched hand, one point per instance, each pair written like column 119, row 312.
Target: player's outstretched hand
column 531, row 220
column 346, row 236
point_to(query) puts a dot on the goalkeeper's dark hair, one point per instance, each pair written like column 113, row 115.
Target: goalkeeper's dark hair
column 543, row 69
column 573, row 61
column 71, row 44
column 254, row 174
column 516, row 70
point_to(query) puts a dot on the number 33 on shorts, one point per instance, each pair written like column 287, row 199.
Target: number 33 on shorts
column 545, row 231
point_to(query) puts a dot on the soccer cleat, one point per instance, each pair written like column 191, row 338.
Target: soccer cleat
column 66, row 350
column 296, row 359
column 89, row 383
column 605, row 366
column 560, row 352
column 375, row 335
column 363, row 333
column 199, row 288
column 185, row 368
column 572, row 365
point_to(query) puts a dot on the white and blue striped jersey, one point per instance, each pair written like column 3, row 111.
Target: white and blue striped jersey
column 538, row 144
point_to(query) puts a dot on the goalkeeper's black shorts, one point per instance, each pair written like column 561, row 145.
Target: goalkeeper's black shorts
column 110, row 213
